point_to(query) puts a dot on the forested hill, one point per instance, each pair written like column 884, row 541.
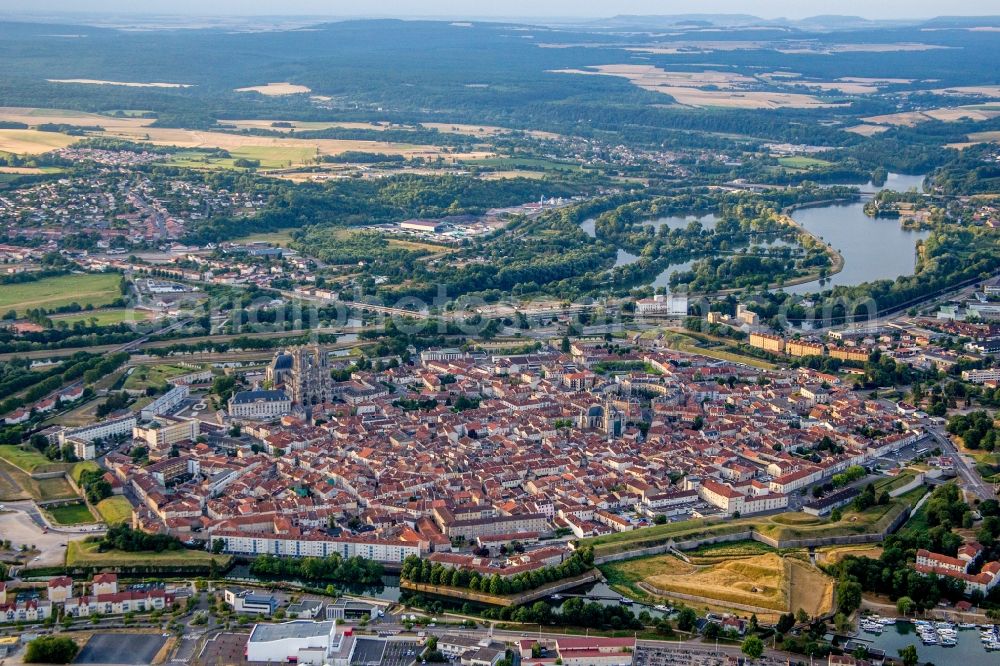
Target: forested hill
column 494, row 73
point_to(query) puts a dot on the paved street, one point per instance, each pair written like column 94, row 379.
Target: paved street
column 969, row 476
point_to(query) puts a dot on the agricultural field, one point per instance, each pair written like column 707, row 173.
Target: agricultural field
column 124, row 84
column 96, row 289
column 705, row 89
column 524, row 163
column 276, row 89
column 80, row 553
column 32, row 142
column 273, row 152
column 71, row 514
column 115, row 510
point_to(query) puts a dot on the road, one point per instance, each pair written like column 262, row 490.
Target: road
column 970, row 477
column 23, row 525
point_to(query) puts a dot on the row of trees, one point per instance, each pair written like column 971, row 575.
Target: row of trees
column 932, row 529
column 423, row 571
column 333, row 568
column 976, row 429
column 124, row 538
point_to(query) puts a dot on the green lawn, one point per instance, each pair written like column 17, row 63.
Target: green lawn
column 81, row 467
column 115, row 510
column 95, row 289
column 105, row 317
column 28, row 459
column 525, row 163
column 802, row 162
column 270, row 157
column 281, row 238
column 80, row 553
column 145, row 376
column 71, row 514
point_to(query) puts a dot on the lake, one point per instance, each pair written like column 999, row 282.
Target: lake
column 897, row 182
column 873, row 249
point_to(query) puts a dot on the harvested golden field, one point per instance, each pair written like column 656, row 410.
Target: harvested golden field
column 809, row 47
column 816, row 48
column 36, row 116
column 985, row 91
column 308, row 125
column 686, row 87
column 485, row 130
column 514, row 173
column 985, row 136
column 945, row 114
column 32, row 142
column 867, row 130
column 127, row 84
column 273, row 151
column 276, row 89
column 296, row 151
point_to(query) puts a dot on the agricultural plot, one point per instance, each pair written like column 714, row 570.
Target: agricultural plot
column 96, row 289
column 32, row 142
column 276, row 89
column 705, row 89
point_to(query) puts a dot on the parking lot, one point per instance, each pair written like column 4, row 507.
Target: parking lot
column 368, row 652
column 126, row 649
column 223, row 649
column 398, row 653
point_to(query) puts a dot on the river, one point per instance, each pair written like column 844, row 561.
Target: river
column 968, row 652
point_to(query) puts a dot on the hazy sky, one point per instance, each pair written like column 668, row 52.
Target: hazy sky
column 512, row 8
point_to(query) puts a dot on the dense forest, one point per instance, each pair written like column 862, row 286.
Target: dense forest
column 483, row 73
